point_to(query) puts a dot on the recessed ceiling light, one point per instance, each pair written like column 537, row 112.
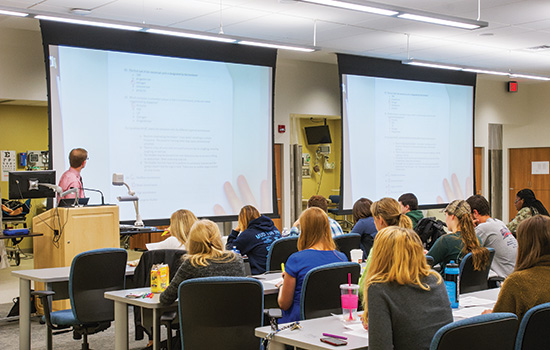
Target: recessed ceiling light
column 487, row 34
column 80, row 11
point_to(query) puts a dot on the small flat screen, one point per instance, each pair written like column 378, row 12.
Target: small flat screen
column 27, row 184
column 318, row 134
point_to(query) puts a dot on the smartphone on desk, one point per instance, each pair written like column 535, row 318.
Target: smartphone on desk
column 334, row 341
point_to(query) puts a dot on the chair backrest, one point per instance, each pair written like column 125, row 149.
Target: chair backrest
column 321, row 289
column 171, row 257
column 471, row 280
column 279, row 252
column 346, row 242
column 92, row 274
column 533, row 330
column 220, row 312
column 496, row 331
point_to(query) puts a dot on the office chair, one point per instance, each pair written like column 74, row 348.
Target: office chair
column 471, row 280
column 220, row 313
column 496, row 331
column 92, row 274
column 142, row 278
column 321, row 289
column 335, row 199
column 279, row 252
column 533, row 330
column 345, row 243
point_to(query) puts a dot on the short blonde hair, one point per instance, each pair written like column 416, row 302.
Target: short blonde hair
column 389, row 210
column 315, row 228
column 398, row 256
column 205, row 242
column 180, row 224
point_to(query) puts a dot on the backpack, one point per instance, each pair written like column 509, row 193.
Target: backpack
column 430, row 229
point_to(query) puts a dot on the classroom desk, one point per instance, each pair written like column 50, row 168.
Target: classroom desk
column 308, row 336
column 121, row 308
column 57, row 279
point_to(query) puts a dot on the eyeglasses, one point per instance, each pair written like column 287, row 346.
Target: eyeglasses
column 517, row 200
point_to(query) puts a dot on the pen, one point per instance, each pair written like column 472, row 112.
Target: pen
column 283, row 267
column 334, row 336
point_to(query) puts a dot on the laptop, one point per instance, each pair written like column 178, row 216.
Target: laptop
column 69, row 202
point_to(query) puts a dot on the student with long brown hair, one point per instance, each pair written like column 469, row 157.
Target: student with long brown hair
column 253, row 237
column 405, row 301
column 206, row 258
column 461, row 240
column 364, row 224
column 529, row 284
column 315, row 248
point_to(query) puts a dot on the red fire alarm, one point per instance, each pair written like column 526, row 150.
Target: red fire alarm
column 282, row 129
column 512, row 86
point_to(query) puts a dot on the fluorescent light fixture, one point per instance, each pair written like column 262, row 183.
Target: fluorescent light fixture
column 12, row 13
column 89, row 23
column 529, row 76
column 441, row 21
column 191, row 35
column 431, row 64
column 354, row 6
column 275, row 46
column 484, row 71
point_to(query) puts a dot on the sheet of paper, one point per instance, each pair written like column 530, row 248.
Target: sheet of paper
column 274, row 281
column 357, row 329
column 469, row 311
column 469, row 301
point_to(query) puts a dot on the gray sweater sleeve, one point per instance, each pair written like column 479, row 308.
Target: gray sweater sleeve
column 380, row 325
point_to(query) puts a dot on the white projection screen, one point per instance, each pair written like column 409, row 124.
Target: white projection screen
column 185, row 132
column 404, row 135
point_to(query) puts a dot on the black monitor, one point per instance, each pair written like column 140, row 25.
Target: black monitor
column 27, row 184
column 318, row 134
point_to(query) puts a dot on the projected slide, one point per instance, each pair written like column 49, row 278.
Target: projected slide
column 406, row 136
column 185, row 133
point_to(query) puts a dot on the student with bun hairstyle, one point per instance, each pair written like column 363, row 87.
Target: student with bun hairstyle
column 527, row 206
column 206, row 258
column 405, row 301
column 180, row 224
column 461, row 240
column 529, row 284
column 315, row 248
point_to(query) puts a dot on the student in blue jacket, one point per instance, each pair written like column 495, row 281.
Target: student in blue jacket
column 253, row 237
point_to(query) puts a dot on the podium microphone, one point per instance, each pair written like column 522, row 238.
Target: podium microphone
column 94, row 190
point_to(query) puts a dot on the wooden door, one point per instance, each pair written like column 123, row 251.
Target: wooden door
column 478, row 169
column 521, row 176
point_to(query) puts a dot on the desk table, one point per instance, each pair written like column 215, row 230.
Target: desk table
column 312, row 330
column 54, row 278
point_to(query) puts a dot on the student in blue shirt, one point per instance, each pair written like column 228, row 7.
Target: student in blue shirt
column 315, row 248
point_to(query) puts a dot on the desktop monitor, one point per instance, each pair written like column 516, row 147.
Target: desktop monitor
column 318, row 134
column 27, row 184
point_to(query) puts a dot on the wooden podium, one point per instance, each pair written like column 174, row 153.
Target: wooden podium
column 70, row 231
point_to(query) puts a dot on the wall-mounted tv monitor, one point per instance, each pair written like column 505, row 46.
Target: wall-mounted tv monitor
column 28, row 184
column 318, row 134
column 405, row 129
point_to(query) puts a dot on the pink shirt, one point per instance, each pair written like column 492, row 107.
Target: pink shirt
column 71, row 179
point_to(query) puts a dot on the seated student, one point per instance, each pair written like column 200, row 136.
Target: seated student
column 405, row 302
column 180, row 224
column 315, row 248
column 206, row 258
column 409, row 207
column 386, row 212
column 462, row 239
column 527, row 205
column 529, row 284
column 318, row 201
column 364, row 224
column 253, row 237
column 493, row 233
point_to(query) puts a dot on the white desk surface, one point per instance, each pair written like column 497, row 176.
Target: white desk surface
column 54, row 274
column 147, row 303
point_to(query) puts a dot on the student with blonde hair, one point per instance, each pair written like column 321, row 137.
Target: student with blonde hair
column 253, row 237
column 180, row 224
column 315, row 248
column 462, row 239
column 206, row 257
column 405, row 301
column 528, row 285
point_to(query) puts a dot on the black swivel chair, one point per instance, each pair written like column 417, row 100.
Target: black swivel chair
column 533, row 331
column 279, row 252
column 346, row 242
column 335, row 199
column 321, row 289
column 92, row 274
column 472, row 280
column 220, row 313
column 496, row 331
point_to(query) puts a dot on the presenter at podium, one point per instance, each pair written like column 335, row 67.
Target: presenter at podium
column 71, row 178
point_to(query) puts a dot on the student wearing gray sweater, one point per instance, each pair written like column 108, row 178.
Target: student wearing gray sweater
column 206, row 258
column 406, row 303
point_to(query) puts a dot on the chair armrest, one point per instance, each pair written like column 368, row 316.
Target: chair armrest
column 273, row 315
column 44, row 296
column 42, row 293
column 494, row 282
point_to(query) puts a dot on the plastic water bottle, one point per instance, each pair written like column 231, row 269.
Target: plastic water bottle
column 236, row 250
column 451, row 283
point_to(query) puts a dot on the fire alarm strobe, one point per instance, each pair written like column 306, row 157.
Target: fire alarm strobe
column 282, row 129
column 512, row 86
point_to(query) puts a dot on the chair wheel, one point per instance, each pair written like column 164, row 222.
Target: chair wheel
column 17, row 259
